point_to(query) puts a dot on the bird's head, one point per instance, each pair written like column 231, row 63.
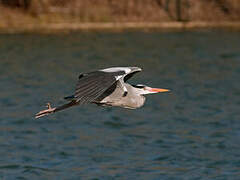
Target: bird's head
column 143, row 89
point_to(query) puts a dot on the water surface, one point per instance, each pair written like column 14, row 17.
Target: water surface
column 190, row 133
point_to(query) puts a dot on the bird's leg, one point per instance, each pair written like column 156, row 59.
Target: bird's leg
column 50, row 110
column 45, row 112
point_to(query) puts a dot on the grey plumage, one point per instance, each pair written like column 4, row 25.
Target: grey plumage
column 106, row 87
column 132, row 100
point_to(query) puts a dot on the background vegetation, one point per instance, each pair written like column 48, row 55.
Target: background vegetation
column 18, row 12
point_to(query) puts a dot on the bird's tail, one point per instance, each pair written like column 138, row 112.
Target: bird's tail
column 69, row 98
column 50, row 110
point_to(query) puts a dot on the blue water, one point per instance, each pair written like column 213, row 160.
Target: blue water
column 193, row 132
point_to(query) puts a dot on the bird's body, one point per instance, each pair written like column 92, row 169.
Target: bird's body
column 106, row 87
column 132, row 100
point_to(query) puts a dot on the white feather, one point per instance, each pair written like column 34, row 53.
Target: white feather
column 118, row 77
column 116, row 69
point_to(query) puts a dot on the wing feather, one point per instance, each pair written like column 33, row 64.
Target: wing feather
column 83, row 88
column 92, row 85
column 91, row 94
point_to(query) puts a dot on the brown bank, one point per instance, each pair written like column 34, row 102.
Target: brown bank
column 65, row 15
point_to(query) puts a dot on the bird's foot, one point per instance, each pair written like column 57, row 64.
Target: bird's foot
column 45, row 112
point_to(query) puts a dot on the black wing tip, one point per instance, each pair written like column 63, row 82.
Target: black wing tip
column 82, row 75
column 133, row 72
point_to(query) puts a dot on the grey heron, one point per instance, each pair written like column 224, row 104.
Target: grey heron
column 106, row 87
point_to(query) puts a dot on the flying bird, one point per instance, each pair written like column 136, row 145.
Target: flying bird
column 106, row 87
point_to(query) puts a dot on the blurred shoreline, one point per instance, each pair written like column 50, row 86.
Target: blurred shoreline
column 121, row 26
column 64, row 15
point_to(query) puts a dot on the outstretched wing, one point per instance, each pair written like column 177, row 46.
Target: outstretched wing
column 91, row 85
column 130, row 75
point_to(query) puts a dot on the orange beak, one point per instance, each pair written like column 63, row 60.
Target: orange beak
column 156, row 90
